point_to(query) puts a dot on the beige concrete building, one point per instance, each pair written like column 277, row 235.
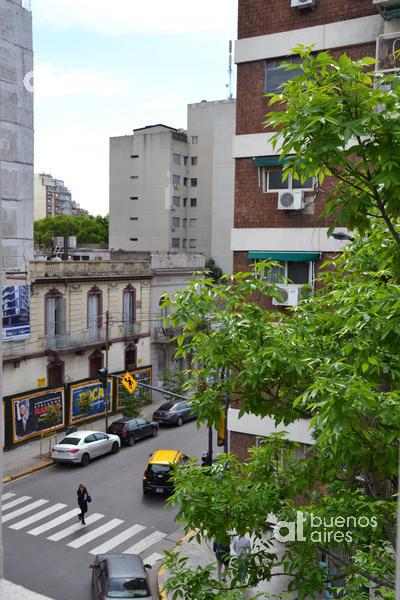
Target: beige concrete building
column 68, row 307
column 172, row 190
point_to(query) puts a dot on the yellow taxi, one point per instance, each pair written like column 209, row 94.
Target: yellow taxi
column 156, row 478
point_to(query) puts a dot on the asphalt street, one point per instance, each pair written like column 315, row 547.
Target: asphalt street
column 45, row 547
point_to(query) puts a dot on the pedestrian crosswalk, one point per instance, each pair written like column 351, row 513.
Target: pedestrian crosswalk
column 100, row 535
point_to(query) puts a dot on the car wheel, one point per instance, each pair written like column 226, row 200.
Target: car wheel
column 85, row 460
column 115, row 448
column 131, row 440
column 154, row 432
column 179, row 421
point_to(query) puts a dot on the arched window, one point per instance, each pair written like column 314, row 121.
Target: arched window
column 94, row 311
column 55, row 373
column 55, row 313
column 163, row 310
column 96, row 362
column 130, row 357
column 129, row 305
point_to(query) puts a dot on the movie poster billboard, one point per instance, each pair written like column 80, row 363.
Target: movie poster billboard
column 36, row 413
column 87, row 400
column 15, row 303
column 142, row 376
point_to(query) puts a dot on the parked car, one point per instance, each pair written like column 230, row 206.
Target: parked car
column 157, row 476
column 81, row 446
column 120, row 576
column 174, row 413
column 132, row 430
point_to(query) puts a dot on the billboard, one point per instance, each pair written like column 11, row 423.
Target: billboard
column 87, row 400
column 15, row 303
column 31, row 413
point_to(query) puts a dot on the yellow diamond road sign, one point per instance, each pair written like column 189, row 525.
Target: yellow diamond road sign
column 129, row 383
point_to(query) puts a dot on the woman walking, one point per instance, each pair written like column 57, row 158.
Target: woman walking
column 83, row 499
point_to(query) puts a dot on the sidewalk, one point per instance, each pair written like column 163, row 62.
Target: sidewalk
column 34, row 455
column 200, row 555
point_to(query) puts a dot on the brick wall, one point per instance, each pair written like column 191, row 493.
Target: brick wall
column 261, row 17
column 240, row 444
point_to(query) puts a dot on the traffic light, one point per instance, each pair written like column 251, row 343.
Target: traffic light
column 103, row 377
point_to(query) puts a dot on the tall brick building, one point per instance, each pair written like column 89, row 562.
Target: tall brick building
column 276, row 219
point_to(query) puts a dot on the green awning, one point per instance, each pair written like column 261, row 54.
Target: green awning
column 270, row 161
column 287, row 256
column 391, row 13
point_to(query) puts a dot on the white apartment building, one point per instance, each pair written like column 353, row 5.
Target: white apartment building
column 52, row 197
column 172, row 190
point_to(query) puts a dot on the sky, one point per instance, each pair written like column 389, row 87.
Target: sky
column 104, row 68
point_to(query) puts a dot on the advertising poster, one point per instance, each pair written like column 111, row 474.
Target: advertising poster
column 141, row 375
column 15, row 303
column 87, row 400
column 36, row 413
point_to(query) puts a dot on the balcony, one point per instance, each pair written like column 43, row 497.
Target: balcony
column 131, row 329
column 164, row 335
column 66, row 341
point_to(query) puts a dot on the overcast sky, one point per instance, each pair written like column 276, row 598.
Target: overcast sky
column 103, row 68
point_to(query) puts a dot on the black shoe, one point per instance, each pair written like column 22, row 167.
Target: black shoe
column 83, row 522
column 79, row 517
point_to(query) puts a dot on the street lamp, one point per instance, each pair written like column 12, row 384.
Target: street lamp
column 341, row 235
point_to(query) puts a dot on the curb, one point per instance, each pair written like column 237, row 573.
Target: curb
column 161, row 593
column 9, row 478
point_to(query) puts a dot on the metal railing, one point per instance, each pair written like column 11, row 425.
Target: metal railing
column 131, row 329
column 72, row 340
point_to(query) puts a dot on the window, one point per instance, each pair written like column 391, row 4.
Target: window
column 133, row 239
column 276, row 77
column 184, row 202
column 176, row 201
column 176, row 222
column 185, row 160
column 192, row 222
column 176, row 179
column 134, row 155
column 130, row 357
column 133, row 218
column 184, row 243
column 55, row 313
column 129, row 305
column 185, row 181
column 195, row 139
column 291, row 271
column 273, row 182
column 55, row 373
column 193, row 182
column 96, row 362
column 193, row 160
column 184, row 222
column 175, row 243
column 134, row 176
column 134, row 198
column 94, row 311
column 176, row 158
column 192, row 243
column 193, row 202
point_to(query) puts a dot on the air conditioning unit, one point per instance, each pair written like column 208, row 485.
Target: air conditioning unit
column 290, row 296
column 302, row 3
column 385, row 3
column 293, row 200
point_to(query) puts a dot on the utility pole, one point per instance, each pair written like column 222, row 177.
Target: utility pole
column 103, row 373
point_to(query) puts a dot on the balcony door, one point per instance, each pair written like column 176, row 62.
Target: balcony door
column 55, row 317
column 55, row 373
column 96, row 362
column 94, row 313
column 129, row 309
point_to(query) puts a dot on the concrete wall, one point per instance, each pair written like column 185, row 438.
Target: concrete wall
column 16, row 135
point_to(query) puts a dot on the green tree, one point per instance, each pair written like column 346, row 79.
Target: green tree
column 335, row 359
column 85, row 402
column 132, row 403
column 86, row 228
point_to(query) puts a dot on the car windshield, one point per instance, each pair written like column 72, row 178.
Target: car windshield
column 123, row 587
column 166, row 406
column 74, row 441
column 159, row 469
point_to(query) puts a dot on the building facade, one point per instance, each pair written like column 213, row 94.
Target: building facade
column 172, row 190
column 277, row 219
column 52, row 197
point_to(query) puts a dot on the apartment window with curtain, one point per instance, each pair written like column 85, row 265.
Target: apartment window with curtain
column 55, row 313
column 129, row 308
column 94, row 314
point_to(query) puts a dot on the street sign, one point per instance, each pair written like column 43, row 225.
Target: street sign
column 129, row 383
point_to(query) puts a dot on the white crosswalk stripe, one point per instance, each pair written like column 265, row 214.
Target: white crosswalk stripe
column 15, row 502
column 54, row 522
column 7, row 496
column 38, row 516
column 23, row 510
column 152, row 559
column 118, row 539
column 69, row 530
column 146, row 542
column 85, row 539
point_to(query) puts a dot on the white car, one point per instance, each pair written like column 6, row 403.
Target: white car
column 81, row 446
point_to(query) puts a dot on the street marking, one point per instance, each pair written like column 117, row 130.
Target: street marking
column 152, row 559
column 118, row 539
column 21, row 511
column 54, row 522
column 8, row 495
column 84, row 539
column 15, row 502
column 151, row 539
column 38, row 516
column 64, row 532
